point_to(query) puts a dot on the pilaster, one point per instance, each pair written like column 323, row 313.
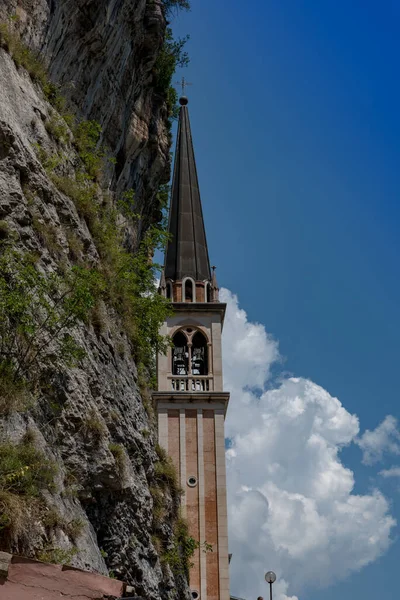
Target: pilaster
column 182, row 434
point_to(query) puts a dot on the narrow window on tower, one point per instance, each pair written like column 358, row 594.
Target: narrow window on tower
column 207, row 292
column 188, row 290
column 180, row 354
column 169, row 290
column 199, row 355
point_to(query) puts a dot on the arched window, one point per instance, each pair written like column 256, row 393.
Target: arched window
column 169, row 290
column 180, row 354
column 207, row 292
column 199, row 355
column 188, row 291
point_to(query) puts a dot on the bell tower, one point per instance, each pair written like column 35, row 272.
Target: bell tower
column 191, row 403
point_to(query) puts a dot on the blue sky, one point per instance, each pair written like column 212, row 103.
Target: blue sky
column 295, row 112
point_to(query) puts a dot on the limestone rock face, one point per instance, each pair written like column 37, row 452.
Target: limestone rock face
column 101, row 53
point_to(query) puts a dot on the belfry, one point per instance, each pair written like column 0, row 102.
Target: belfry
column 191, row 403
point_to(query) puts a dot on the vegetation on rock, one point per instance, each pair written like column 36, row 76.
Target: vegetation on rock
column 172, row 55
column 57, row 556
column 165, row 473
column 119, row 455
column 24, row 470
column 178, row 550
column 177, row 4
column 24, row 473
column 181, row 549
column 26, row 58
column 37, row 314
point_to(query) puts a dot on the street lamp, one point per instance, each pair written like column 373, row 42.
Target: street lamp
column 270, row 577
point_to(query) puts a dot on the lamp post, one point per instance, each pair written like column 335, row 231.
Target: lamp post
column 270, row 577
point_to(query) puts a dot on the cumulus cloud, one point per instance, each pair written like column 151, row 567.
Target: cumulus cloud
column 385, row 439
column 392, row 472
column 291, row 503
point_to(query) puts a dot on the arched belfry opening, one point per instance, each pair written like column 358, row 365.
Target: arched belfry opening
column 180, row 354
column 199, row 354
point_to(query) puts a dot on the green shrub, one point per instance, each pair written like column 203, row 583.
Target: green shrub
column 15, row 395
column 18, row 518
column 47, row 234
column 53, row 95
column 82, row 191
column 131, row 279
column 180, row 549
column 86, row 138
column 74, row 528
column 24, row 470
column 49, row 161
column 165, row 472
column 75, row 245
column 69, row 118
column 145, row 381
column 57, row 556
column 4, row 230
column 157, row 543
column 132, row 291
column 119, row 455
column 159, row 511
column 22, row 56
column 98, row 317
column 114, row 416
column 169, row 5
column 121, row 348
column 71, row 485
column 54, row 520
column 94, row 427
column 38, row 312
column 171, row 56
column 57, row 128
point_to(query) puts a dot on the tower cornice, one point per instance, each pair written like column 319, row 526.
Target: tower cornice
column 202, row 400
column 201, row 307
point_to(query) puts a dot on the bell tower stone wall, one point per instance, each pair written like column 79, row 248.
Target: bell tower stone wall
column 191, row 430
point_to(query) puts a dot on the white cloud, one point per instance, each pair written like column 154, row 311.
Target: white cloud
column 385, row 439
column 291, row 506
column 392, row 472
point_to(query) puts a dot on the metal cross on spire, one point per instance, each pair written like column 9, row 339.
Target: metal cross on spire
column 183, row 83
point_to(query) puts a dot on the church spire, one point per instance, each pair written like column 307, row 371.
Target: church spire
column 190, row 398
column 187, row 252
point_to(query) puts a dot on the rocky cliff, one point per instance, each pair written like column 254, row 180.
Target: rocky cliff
column 84, row 151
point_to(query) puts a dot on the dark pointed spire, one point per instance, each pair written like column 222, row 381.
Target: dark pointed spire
column 187, row 253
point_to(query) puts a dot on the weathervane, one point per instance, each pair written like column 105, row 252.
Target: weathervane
column 183, row 83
